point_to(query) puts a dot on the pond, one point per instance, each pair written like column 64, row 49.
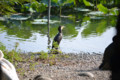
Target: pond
column 82, row 33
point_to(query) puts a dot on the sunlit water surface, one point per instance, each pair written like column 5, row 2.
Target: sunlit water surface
column 81, row 33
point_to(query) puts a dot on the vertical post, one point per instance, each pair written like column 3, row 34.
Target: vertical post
column 94, row 5
column 49, row 7
column 60, row 10
column 96, row 2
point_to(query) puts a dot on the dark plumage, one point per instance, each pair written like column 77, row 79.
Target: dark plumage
column 57, row 38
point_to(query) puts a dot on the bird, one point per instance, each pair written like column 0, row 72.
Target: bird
column 7, row 70
column 57, row 38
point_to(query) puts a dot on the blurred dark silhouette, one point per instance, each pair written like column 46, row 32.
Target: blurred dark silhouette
column 109, row 51
column 111, row 58
column 115, row 58
column 112, row 50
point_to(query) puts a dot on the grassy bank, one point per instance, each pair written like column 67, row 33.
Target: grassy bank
column 32, row 59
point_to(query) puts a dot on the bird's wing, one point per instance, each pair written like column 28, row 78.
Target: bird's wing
column 58, row 37
column 8, row 70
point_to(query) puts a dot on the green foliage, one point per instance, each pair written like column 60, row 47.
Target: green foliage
column 39, row 7
column 7, row 6
column 86, row 18
column 13, row 56
column 87, row 3
column 52, row 63
column 55, row 51
column 34, row 7
column 105, row 10
column 55, row 1
column 63, row 2
column 21, row 71
column 55, row 44
column 16, row 45
column 68, row 1
column 114, row 11
column 43, row 55
column 102, row 8
column 63, row 56
column 2, row 47
column 32, row 65
column 52, row 56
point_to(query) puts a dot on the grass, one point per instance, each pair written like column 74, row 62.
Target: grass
column 32, row 59
column 32, row 66
column 43, row 55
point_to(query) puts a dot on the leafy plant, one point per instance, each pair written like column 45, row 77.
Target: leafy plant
column 34, row 7
column 13, row 56
column 62, row 3
column 52, row 56
column 43, row 55
column 102, row 8
column 55, row 44
column 105, row 10
column 114, row 11
column 87, row 3
column 2, row 47
column 8, row 6
column 55, row 51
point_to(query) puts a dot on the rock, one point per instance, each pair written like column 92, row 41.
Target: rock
column 40, row 77
column 86, row 74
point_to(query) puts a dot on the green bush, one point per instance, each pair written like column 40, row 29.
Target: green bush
column 43, row 55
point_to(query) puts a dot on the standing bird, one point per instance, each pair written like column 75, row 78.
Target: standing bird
column 57, row 38
column 7, row 70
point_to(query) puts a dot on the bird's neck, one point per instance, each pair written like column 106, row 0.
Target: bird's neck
column 60, row 31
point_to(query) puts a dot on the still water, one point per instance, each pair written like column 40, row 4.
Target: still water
column 82, row 33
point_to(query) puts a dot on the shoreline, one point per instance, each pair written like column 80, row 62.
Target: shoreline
column 64, row 67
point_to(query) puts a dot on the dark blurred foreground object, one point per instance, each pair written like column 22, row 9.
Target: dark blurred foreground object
column 111, row 59
column 115, row 58
column 109, row 51
column 112, row 50
column 7, row 70
column 57, row 38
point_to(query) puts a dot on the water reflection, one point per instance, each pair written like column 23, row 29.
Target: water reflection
column 98, row 26
column 82, row 33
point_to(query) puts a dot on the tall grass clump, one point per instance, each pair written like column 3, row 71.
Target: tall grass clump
column 12, row 55
column 43, row 55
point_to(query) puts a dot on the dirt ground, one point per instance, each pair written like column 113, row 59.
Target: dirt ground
column 68, row 68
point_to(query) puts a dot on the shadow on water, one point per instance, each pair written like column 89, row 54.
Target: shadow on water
column 81, row 33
